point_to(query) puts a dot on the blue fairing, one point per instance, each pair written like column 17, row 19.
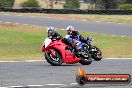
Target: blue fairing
column 79, row 44
column 70, row 40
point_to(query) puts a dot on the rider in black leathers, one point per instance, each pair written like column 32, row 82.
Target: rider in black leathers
column 52, row 34
column 73, row 34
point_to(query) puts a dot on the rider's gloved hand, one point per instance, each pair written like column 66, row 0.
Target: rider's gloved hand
column 89, row 39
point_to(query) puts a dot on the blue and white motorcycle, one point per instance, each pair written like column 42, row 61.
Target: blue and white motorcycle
column 84, row 48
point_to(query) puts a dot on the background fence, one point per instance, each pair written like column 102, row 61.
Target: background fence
column 68, row 6
column 67, row 11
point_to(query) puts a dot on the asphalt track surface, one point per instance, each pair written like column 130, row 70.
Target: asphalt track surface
column 41, row 73
column 81, row 25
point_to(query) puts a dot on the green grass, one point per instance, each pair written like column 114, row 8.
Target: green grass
column 19, row 42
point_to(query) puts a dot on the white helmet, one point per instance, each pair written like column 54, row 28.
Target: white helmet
column 51, row 30
column 69, row 29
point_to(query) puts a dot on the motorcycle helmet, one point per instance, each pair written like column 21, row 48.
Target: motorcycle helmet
column 51, row 31
column 70, row 29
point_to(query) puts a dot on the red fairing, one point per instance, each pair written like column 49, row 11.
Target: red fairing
column 67, row 56
column 47, row 48
column 43, row 49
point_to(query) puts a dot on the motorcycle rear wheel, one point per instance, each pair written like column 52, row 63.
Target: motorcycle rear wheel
column 50, row 59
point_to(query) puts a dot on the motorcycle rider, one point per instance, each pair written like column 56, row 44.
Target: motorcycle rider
column 52, row 34
column 73, row 34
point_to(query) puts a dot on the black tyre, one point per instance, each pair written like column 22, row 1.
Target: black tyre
column 86, row 61
column 56, row 61
column 97, row 54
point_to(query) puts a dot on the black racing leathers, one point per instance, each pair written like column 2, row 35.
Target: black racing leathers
column 55, row 36
column 74, row 35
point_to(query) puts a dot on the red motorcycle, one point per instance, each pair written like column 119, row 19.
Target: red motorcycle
column 56, row 53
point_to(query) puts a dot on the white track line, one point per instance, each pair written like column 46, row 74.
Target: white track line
column 108, row 22
column 6, row 14
column 19, row 15
column 48, row 17
column 34, row 60
column 119, row 35
column 73, row 84
column 16, row 23
column 84, row 20
column 55, row 84
column 35, row 85
column 9, row 61
column 32, row 16
column 25, row 24
column 61, row 18
column 97, row 21
column 66, row 85
column 120, row 23
column 15, row 87
column 8, row 22
column 23, row 61
column 123, row 36
column 41, row 26
column 114, row 35
column 33, row 25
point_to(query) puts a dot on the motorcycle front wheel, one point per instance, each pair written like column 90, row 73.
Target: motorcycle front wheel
column 96, row 53
column 55, row 61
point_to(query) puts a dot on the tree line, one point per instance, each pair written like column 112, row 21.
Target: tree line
column 110, row 4
column 75, row 4
column 6, row 3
